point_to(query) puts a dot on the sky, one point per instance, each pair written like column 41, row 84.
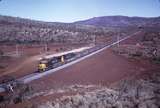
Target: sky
column 75, row 10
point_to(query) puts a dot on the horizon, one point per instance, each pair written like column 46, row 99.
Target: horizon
column 77, row 20
column 72, row 11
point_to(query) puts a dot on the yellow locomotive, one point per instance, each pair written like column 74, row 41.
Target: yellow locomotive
column 42, row 66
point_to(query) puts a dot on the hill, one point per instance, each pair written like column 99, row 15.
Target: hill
column 121, row 21
column 20, row 30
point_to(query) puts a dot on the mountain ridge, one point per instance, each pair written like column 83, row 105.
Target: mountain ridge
column 115, row 17
column 106, row 21
column 15, row 29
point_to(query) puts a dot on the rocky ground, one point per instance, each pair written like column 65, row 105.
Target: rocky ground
column 134, row 92
column 140, row 93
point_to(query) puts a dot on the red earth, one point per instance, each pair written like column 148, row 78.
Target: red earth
column 104, row 68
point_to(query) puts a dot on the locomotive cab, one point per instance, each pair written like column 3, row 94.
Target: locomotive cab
column 42, row 66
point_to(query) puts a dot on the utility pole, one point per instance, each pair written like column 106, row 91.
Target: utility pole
column 118, row 40
column 46, row 48
column 17, row 52
column 95, row 40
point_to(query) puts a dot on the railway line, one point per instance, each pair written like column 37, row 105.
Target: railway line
column 83, row 55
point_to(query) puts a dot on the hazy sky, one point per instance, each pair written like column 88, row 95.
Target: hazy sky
column 73, row 10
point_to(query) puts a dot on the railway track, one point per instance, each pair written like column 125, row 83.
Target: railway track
column 91, row 52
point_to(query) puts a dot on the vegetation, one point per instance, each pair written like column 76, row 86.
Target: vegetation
column 18, row 30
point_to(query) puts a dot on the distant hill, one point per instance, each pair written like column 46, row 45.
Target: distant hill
column 121, row 21
column 20, row 30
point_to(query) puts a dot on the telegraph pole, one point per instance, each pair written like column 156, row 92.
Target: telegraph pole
column 95, row 40
column 46, row 48
column 17, row 51
column 118, row 40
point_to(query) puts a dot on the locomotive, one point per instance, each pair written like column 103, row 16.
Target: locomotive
column 50, row 63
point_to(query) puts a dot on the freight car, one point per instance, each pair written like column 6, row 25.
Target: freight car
column 47, row 64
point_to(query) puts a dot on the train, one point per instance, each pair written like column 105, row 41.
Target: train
column 60, row 59
column 53, row 61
